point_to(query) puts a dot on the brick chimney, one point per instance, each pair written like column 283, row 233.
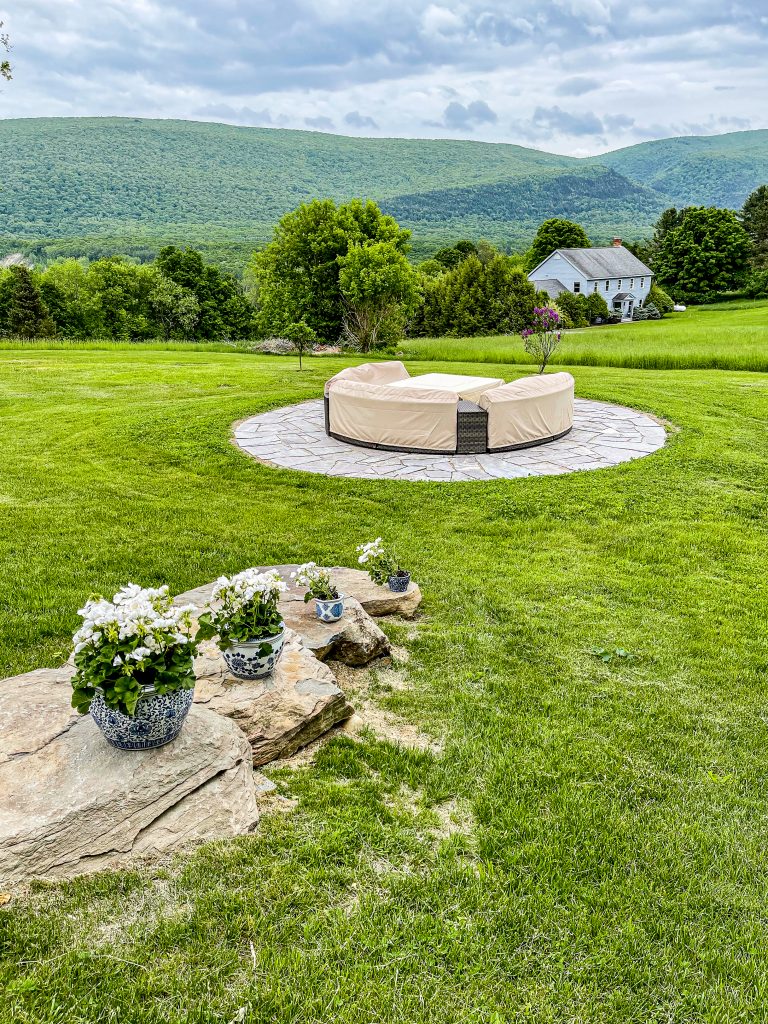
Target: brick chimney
column 616, row 243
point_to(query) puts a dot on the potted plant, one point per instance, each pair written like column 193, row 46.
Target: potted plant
column 134, row 666
column 329, row 603
column 243, row 613
column 383, row 566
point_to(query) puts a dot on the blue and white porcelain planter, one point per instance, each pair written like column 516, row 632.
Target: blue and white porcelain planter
column 399, row 584
column 256, row 658
column 158, row 719
column 331, row 610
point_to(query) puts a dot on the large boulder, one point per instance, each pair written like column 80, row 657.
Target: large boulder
column 70, row 803
column 354, row 640
column 280, row 713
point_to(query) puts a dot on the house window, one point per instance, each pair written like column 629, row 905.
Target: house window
column 642, row 282
column 631, row 282
column 595, row 288
column 619, row 284
column 576, row 287
column 607, row 286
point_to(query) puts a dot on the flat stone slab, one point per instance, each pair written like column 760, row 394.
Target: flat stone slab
column 70, row 803
column 603, row 435
column 280, row 713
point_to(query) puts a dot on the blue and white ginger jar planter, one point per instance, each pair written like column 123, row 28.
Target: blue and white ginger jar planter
column 331, row 610
column 399, row 584
column 246, row 661
column 158, row 719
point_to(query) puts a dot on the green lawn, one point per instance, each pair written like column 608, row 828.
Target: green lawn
column 609, row 862
column 729, row 336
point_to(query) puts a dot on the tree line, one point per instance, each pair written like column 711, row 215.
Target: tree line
column 341, row 273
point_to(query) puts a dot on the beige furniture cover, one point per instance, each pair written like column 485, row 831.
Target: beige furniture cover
column 465, row 386
column 371, row 373
column 396, row 417
column 529, row 409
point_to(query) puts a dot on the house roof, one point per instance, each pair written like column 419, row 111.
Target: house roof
column 552, row 287
column 602, row 263
column 611, row 261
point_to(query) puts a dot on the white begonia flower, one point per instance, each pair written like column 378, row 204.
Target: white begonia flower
column 117, row 661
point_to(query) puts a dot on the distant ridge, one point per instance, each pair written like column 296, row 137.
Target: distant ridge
column 98, row 185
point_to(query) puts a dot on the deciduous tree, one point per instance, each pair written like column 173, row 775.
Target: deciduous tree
column 705, row 255
column 754, row 217
column 555, row 233
column 379, row 288
column 297, row 274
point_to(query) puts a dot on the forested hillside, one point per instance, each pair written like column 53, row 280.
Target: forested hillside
column 95, row 186
column 716, row 170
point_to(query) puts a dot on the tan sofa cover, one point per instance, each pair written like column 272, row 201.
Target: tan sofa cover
column 371, row 373
column 529, row 409
column 396, row 417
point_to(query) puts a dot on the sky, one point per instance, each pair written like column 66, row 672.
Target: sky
column 568, row 76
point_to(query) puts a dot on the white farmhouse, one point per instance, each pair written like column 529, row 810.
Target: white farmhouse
column 614, row 272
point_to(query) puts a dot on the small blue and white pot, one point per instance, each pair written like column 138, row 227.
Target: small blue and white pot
column 399, row 584
column 331, row 610
column 157, row 720
column 256, row 658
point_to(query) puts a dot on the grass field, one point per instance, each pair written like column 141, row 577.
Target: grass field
column 729, row 336
column 605, row 860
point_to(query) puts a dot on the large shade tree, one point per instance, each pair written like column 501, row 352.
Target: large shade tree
column 380, row 290
column 555, row 233
column 706, row 254
column 297, row 275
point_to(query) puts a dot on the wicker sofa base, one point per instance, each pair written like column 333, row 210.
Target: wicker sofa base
column 471, row 435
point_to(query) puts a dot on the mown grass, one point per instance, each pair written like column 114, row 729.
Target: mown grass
column 728, row 336
column 612, row 867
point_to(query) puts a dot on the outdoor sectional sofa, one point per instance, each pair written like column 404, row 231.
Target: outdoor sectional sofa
column 378, row 405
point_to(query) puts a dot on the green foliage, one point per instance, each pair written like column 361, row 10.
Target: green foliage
column 177, row 296
column 706, row 254
column 574, row 308
column 451, row 255
column 476, row 298
column 555, row 233
column 380, row 290
column 660, row 299
column 297, row 275
column 754, row 218
column 756, row 285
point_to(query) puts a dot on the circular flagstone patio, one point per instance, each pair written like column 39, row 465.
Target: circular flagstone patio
column 603, row 435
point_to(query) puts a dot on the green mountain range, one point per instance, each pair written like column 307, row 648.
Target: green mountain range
column 98, row 185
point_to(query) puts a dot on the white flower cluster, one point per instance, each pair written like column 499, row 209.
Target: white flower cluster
column 144, row 615
column 249, row 585
column 306, row 574
column 373, row 549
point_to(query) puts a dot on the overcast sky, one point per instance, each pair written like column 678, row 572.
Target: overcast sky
column 569, row 76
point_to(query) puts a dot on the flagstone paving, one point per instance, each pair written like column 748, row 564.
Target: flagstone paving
column 603, row 435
